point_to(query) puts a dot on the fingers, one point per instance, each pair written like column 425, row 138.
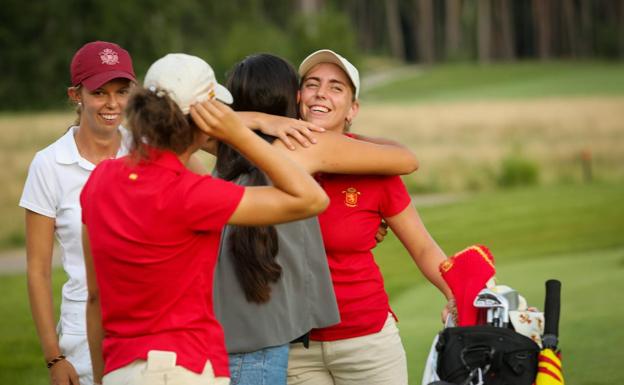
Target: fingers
column 207, row 115
column 303, row 139
column 299, row 133
column 304, row 134
column 74, row 378
column 382, row 231
column 63, row 373
column 313, row 127
column 202, row 117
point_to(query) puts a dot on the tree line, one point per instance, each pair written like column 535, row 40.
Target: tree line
column 38, row 38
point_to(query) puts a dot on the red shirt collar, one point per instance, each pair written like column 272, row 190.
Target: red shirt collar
column 164, row 158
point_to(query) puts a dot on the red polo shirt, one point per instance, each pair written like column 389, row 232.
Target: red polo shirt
column 357, row 205
column 154, row 229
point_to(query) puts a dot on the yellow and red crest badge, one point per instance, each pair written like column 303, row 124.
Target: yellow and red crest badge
column 351, row 197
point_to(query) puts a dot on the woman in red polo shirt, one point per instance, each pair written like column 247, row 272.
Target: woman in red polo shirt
column 151, row 240
column 365, row 347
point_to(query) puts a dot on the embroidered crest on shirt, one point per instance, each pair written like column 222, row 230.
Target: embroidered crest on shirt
column 351, row 196
column 108, row 56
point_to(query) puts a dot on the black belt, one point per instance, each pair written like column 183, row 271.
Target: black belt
column 304, row 339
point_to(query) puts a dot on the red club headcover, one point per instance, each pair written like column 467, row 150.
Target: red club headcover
column 466, row 273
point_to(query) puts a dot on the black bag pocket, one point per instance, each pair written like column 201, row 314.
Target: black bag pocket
column 504, row 356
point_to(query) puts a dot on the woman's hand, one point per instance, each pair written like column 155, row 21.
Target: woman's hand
column 450, row 309
column 382, row 231
column 63, row 373
column 281, row 127
column 217, row 120
column 286, row 128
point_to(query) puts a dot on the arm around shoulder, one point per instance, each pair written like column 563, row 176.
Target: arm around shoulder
column 340, row 154
column 294, row 193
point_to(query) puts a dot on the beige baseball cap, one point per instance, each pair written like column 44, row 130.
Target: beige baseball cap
column 187, row 79
column 329, row 56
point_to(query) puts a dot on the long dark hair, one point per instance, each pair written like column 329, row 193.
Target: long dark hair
column 269, row 84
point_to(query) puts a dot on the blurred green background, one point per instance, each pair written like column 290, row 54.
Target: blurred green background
column 515, row 109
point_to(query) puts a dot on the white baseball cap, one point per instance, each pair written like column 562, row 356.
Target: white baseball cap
column 329, row 56
column 186, row 79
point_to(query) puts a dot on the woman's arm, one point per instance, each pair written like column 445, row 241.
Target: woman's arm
column 39, row 248
column 281, row 127
column 423, row 249
column 95, row 332
column 294, row 193
column 337, row 153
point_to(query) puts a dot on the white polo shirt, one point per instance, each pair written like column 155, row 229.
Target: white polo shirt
column 55, row 179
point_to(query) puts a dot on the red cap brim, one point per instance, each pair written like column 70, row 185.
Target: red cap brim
column 96, row 81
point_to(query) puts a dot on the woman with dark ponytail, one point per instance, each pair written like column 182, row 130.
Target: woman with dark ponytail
column 272, row 284
column 152, row 229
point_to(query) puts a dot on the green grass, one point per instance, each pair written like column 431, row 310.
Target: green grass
column 527, row 223
column 450, row 82
column 572, row 233
column 21, row 360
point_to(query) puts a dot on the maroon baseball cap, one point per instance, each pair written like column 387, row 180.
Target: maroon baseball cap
column 99, row 62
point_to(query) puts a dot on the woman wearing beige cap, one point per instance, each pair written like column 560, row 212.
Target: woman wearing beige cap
column 365, row 347
column 101, row 79
column 272, row 283
column 151, row 242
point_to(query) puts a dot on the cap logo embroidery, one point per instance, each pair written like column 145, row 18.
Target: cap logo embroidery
column 351, row 197
column 108, row 56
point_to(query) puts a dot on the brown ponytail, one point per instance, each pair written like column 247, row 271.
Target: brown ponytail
column 155, row 120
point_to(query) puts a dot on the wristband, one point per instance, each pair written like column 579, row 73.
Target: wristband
column 55, row 360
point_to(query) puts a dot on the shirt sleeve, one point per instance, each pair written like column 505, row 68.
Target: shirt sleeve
column 40, row 190
column 209, row 203
column 395, row 197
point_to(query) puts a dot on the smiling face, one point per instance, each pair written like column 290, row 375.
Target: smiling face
column 326, row 97
column 102, row 109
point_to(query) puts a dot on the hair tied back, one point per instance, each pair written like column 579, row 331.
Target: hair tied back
column 159, row 92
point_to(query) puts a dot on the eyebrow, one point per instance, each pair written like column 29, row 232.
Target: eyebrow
column 315, row 78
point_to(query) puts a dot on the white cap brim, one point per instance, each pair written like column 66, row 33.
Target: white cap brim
column 223, row 94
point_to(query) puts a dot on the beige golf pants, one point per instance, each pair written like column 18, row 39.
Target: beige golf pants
column 161, row 369
column 374, row 359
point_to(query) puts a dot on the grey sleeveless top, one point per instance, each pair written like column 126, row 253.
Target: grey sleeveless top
column 301, row 300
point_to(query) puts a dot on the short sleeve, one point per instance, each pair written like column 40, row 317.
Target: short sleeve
column 209, row 203
column 395, row 197
column 40, row 190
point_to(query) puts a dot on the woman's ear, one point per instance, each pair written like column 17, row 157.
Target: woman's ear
column 74, row 94
column 353, row 111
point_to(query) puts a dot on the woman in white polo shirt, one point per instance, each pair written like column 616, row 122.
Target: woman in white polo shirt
column 101, row 77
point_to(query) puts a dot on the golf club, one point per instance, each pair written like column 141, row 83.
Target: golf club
column 497, row 307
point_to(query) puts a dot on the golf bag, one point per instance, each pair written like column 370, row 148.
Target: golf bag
column 486, row 355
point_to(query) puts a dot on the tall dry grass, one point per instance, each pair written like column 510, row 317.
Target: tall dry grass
column 461, row 145
column 21, row 136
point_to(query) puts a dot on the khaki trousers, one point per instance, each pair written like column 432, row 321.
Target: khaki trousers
column 161, row 369
column 374, row 359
